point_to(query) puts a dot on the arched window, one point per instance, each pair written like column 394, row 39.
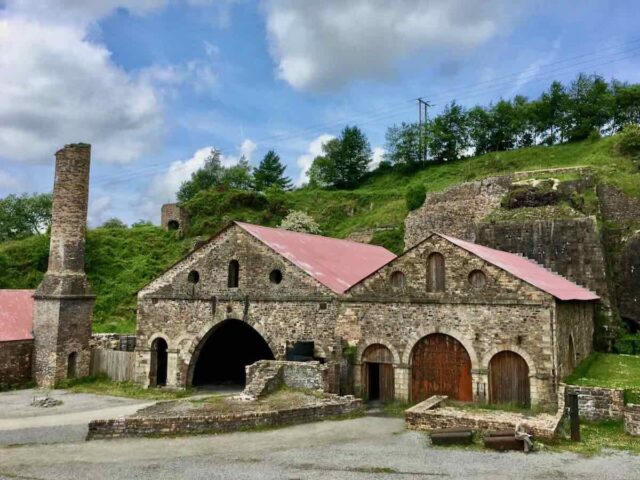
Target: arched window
column 158, row 370
column 234, row 274
column 435, row 273
column 477, row 279
column 72, row 365
column 398, row 281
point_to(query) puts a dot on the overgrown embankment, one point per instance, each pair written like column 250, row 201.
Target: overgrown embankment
column 121, row 261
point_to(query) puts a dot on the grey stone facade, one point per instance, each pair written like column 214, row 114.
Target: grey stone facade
column 505, row 314
column 64, row 302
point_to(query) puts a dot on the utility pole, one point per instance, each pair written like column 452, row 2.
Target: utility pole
column 423, row 114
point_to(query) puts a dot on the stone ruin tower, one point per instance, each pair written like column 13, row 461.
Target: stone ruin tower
column 64, row 301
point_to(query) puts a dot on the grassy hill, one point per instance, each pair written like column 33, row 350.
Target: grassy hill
column 121, row 261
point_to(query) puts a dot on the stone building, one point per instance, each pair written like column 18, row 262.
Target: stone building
column 446, row 317
column 174, row 217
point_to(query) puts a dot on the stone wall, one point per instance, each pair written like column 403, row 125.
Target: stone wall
column 632, row 420
column 570, row 247
column 210, row 424
column 574, row 324
column 267, row 376
column 113, row 341
column 597, row 403
column 15, row 363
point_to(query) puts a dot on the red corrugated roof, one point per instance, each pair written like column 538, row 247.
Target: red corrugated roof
column 16, row 315
column 527, row 270
column 337, row 264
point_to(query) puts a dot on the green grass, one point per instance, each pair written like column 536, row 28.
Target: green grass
column 610, row 371
column 121, row 261
column 395, row 408
column 596, row 437
column 102, row 385
column 118, row 263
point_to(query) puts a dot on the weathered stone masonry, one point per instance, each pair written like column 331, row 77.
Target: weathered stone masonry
column 503, row 314
column 64, row 302
column 15, row 362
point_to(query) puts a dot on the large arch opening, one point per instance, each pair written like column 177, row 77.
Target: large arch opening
column 440, row 365
column 509, row 379
column 377, row 373
column 226, row 350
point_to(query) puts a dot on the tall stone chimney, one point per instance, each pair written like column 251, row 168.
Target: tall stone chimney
column 63, row 304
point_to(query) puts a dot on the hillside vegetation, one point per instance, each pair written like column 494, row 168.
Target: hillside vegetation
column 120, row 261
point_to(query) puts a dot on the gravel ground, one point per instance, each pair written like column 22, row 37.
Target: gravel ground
column 368, row 447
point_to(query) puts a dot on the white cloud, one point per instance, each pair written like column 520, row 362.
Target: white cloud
column 59, row 88
column 163, row 187
column 9, row 182
column 376, row 157
column 322, row 44
column 305, row 160
column 99, row 210
column 195, row 74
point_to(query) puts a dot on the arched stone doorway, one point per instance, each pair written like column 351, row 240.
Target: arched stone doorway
column 158, row 370
column 440, row 365
column 223, row 354
column 509, row 379
column 377, row 373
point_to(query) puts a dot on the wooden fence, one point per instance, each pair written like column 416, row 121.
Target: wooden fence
column 118, row 365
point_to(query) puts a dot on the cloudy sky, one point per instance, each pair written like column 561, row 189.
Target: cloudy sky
column 154, row 84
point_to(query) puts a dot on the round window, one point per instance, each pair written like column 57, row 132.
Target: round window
column 193, row 277
column 477, row 279
column 275, row 276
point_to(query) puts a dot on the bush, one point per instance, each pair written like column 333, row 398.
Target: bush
column 298, row 221
column 629, row 141
column 416, row 194
column 391, row 239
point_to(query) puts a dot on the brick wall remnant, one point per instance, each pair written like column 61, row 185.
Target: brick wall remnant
column 64, row 302
column 15, row 363
column 174, row 217
column 632, row 419
column 267, row 376
column 598, row 403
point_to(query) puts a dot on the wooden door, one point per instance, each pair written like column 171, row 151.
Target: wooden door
column 509, row 379
column 378, row 375
column 440, row 365
column 435, row 273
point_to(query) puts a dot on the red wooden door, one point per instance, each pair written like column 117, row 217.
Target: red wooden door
column 509, row 379
column 440, row 365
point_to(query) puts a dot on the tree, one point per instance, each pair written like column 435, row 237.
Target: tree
column 551, row 114
column 591, row 106
column 298, row 221
column 403, row 146
column 448, row 133
column 238, row 177
column 270, row 173
column 345, row 159
column 480, row 128
column 114, row 223
column 209, row 176
column 24, row 215
column 626, row 105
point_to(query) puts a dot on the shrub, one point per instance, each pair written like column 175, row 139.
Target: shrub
column 298, row 221
column 629, row 141
column 415, row 196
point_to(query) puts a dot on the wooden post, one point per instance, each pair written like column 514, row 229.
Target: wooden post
column 574, row 417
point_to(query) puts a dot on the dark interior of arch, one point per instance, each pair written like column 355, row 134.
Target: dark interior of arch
column 229, row 349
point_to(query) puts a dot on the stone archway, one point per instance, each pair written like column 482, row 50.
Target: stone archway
column 378, row 373
column 223, row 353
column 159, row 362
column 440, row 365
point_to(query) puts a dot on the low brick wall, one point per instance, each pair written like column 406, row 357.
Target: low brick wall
column 597, row 403
column 632, row 419
column 209, row 424
column 15, row 362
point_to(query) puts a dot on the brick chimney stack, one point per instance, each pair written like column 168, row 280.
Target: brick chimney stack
column 64, row 302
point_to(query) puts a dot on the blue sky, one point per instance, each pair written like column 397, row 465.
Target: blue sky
column 153, row 84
